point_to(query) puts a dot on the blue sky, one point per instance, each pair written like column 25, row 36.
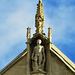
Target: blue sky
column 17, row 15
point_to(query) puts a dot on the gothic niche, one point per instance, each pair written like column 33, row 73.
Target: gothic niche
column 38, row 57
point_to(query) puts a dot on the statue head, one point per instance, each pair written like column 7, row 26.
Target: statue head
column 39, row 41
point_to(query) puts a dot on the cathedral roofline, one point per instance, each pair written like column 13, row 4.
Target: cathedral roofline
column 54, row 49
column 39, row 18
column 7, row 67
column 64, row 58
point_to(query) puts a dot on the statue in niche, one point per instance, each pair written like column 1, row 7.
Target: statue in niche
column 38, row 57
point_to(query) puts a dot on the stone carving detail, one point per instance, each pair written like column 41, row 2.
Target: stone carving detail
column 38, row 57
column 28, row 32
column 39, row 18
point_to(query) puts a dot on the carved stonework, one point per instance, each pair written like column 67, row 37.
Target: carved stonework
column 50, row 34
column 28, row 33
column 38, row 57
column 39, row 18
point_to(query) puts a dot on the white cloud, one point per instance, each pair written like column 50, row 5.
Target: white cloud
column 61, row 19
column 13, row 29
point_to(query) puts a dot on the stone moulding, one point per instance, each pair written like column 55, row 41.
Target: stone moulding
column 39, row 35
column 54, row 49
column 39, row 24
column 65, row 59
column 13, row 62
column 40, row 72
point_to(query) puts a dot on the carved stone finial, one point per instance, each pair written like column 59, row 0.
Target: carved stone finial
column 40, row 0
column 28, row 33
column 39, row 18
column 50, row 34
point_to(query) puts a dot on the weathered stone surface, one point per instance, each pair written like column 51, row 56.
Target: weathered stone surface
column 18, row 68
column 58, row 67
column 38, row 73
column 56, row 62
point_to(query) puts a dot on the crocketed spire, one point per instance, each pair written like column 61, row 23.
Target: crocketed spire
column 39, row 18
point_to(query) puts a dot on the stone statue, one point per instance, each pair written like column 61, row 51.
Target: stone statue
column 38, row 57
